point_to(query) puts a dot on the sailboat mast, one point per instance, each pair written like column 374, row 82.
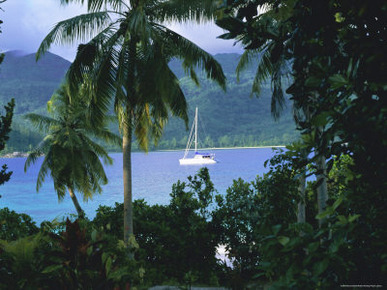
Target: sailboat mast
column 196, row 129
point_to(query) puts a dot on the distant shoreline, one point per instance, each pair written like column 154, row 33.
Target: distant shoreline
column 220, row 148
column 23, row 154
column 14, row 155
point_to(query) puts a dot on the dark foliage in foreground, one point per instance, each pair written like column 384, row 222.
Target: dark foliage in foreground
column 176, row 243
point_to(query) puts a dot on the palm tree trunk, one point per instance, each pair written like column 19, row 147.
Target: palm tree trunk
column 81, row 213
column 127, row 176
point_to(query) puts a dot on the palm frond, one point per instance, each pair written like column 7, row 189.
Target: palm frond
column 43, row 171
column 108, row 136
column 192, row 55
column 33, row 156
column 97, row 5
column 78, row 28
column 142, row 125
column 245, row 60
column 98, row 150
column 43, row 123
column 183, row 11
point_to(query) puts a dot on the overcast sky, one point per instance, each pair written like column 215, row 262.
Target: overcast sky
column 27, row 22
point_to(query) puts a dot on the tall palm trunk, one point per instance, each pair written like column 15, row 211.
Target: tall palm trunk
column 127, row 147
column 81, row 213
column 127, row 176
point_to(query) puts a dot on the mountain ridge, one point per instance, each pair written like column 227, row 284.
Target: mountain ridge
column 232, row 117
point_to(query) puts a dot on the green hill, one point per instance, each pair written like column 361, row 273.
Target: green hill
column 230, row 118
column 31, row 83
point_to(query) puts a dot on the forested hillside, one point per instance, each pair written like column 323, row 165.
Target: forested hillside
column 230, row 118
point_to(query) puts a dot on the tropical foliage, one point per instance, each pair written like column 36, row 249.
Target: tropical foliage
column 331, row 49
column 340, row 101
column 176, row 243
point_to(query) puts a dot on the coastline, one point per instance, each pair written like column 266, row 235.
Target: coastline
column 24, row 154
column 14, row 155
column 220, row 148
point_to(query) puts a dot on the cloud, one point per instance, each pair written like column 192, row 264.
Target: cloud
column 205, row 36
column 27, row 22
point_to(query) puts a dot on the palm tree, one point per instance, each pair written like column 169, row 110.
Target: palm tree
column 127, row 61
column 71, row 157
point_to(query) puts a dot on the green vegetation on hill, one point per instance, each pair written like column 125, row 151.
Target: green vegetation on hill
column 31, row 83
column 231, row 118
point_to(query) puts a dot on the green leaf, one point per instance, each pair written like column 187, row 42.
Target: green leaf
column 342, row 219
column 339, row 17
column 321, row 119
column 117, row 274
column 108, row 265
column 259, row 275
column 121, row 245
column 320, row 267
column 276, row 229
column 312, row 247
column 141, row 272
column 325, row 213
column 337, row 202
column 352, row 218
column 133, row 243
column 337, row 81
column 94, row 235
column 104, row 257
column 313, row 82
column 283, row 240
column 51, row 269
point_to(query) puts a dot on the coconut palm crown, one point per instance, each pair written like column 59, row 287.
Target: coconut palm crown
column 71, row 157
column 128, row 54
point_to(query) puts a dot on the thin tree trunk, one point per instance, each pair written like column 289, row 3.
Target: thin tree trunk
column 301, row 216
column 127, row 175
column 301, row 203
column 322, row 189
column 81, row 213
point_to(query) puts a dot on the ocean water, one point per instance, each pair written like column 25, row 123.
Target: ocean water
column 153, row 176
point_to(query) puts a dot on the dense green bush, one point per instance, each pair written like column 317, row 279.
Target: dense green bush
column 177, row 242
column 14, row 226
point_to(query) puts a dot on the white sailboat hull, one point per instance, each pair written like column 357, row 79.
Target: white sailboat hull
column 198, row 159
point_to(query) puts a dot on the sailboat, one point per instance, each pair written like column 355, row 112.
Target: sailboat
column 199, row 158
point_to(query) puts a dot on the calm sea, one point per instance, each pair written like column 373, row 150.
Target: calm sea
column 153, row 176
